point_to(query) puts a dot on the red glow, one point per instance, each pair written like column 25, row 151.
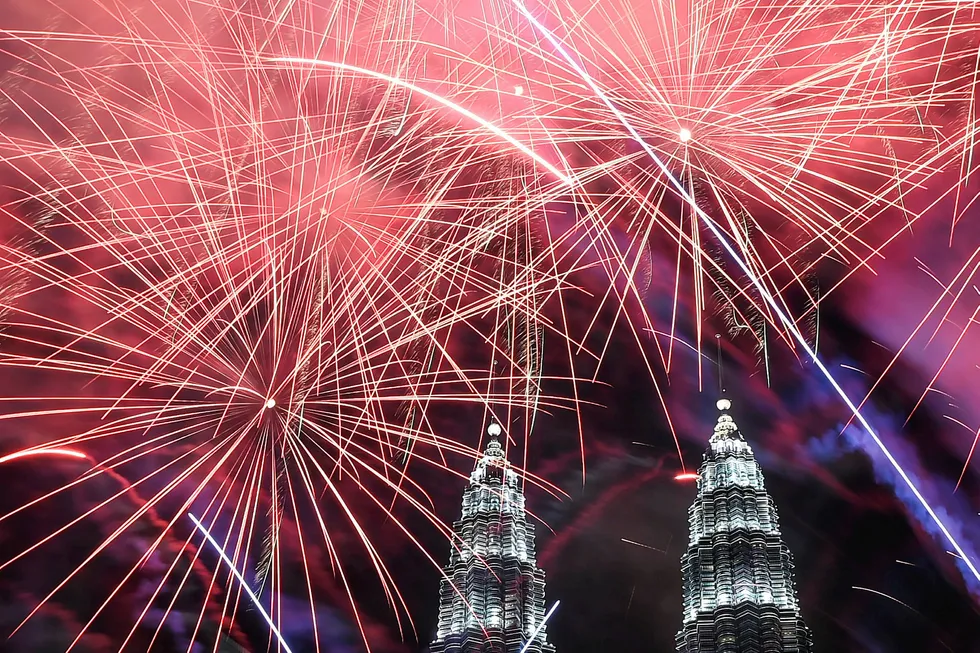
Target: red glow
column 687, row 476
column 69, row 453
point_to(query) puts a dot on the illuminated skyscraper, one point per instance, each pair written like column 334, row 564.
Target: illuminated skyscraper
column 492, row 600
column 739, row 593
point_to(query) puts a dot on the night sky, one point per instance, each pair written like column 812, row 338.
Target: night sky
column 872, row 572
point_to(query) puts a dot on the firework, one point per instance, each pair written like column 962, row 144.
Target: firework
column 245, row 286
column 804, row 138
column 771, row 299
column 806, row 131
column 249, row 251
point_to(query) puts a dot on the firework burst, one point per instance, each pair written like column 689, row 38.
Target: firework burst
column 244, row 286
column 807, row 131
column 244, row 243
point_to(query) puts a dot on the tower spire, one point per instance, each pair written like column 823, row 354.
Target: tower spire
column 492, row 599
column 721, row 369
column 739, row 592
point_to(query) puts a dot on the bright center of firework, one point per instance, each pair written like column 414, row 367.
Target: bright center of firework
column 518, row 90
column 270, row 403
column 684, row 135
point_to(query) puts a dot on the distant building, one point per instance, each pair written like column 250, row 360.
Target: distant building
column 739, row 593
column 493, row 600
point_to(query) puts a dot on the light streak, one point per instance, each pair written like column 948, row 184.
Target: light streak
column 687, row 476
column 887, row 596
column 446, row 102
column 541, row 625
column 640, row 544
column 853, row 369
column 241, row 579
column 774, row 305
column 69, row 453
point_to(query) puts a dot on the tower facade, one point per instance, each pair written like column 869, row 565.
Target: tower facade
column 492, row 598
column 739, row 592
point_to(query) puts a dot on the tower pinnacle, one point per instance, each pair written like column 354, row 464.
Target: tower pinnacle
column 726, row 427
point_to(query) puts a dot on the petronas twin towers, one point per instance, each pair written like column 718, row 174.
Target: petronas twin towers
column 739, row 593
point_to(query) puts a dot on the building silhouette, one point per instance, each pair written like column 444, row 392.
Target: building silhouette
column 739, row 592
column 492, row 597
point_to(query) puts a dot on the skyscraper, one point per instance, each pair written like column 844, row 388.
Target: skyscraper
column 739, row 593
column 492, row 599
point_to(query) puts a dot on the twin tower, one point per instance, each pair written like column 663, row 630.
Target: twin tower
column 739, row 594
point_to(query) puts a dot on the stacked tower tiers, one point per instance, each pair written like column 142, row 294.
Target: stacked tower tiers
column 739, row 593
column 492, row 599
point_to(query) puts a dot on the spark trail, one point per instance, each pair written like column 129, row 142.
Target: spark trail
column 27, row 453
column 241, row 580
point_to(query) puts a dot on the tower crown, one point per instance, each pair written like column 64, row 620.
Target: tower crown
column 494, row 485
column 494, row 450
column 725, row 428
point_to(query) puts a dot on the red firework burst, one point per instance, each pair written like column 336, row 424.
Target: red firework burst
column 244, row 285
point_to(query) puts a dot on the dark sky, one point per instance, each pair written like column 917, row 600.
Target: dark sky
column 872, row 574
